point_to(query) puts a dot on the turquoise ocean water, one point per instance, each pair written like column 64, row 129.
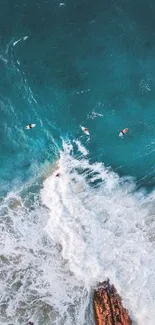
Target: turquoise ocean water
column 61, row 66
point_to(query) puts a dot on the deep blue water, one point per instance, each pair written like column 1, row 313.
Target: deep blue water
column 105, row 49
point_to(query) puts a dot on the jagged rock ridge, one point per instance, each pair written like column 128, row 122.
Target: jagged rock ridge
column 108, row 306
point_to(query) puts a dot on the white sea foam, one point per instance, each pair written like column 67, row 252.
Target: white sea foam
column 144, row 86
column 81, row 91
column 104, row 228
column 25, row 38
column 35, row 283
column 20, row 39
column 3, row 59
column 85, row 225
column 81, row 148
column 94, row 114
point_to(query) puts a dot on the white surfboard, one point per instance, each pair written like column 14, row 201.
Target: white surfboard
column 121, row 135
column 30, row 127
column 85, row 130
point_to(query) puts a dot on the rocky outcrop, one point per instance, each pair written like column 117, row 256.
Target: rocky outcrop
column 108, row 306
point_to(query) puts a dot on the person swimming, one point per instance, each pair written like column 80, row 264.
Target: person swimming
column 121, row 134
column 30, row 126
column 85, row 130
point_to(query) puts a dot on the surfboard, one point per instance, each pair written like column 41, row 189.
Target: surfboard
column 85, row 130
column 28, row 127
column 121, row 135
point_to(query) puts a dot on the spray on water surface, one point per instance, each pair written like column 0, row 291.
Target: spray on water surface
column 84, row 226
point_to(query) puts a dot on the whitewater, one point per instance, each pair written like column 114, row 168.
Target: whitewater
column 82, row 227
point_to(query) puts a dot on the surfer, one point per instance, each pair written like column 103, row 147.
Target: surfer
column 85, row 130
column 121, row 134
column 30, row 126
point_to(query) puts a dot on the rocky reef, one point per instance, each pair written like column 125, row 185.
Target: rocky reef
column 108, row 306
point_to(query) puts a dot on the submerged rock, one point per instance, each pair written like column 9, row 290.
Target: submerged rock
column 108, row 306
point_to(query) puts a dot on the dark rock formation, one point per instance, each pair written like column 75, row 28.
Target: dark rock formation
column 108, row 306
